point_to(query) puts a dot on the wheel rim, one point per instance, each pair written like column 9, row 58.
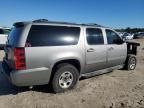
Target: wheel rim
column 65, row 79
column 132, row 63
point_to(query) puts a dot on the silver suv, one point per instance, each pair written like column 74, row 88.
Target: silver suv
column 59, row 53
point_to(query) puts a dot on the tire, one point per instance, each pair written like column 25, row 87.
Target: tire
column 65, row 78
column 131, row 62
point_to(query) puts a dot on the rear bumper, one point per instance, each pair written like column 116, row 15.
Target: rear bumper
column 29, row 77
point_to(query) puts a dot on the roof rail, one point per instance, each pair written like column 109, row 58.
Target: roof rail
column 45, row 21
column 41, row 20
column 60, row 22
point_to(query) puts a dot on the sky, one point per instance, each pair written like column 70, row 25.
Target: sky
column 110, row 13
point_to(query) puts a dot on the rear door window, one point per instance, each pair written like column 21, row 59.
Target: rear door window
column 44, row 35
column 94, row 36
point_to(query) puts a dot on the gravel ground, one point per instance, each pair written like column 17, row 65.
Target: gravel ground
column 118, row 89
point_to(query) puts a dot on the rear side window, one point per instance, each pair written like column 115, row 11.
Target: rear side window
column 94, row 36
column 43, row 35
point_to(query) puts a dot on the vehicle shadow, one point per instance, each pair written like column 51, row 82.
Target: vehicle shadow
column 43, row 88
column 6, row 87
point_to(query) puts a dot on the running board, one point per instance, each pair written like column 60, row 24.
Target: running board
column 100, row 72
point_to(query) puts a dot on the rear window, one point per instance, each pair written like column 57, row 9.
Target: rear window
column 14, row 35
column 43, row 35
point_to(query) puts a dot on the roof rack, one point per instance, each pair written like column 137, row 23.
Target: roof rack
column 47, row 21
column 60, row 22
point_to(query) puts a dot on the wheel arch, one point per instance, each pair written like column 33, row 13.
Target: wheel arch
column 73, row 61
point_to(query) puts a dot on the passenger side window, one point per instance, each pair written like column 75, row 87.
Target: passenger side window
column 112, row 37
column 94, row 36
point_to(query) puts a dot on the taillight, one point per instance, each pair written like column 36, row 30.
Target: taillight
column 19, row 57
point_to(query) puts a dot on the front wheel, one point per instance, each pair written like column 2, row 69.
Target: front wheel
column 131, row 62
column 65, row 78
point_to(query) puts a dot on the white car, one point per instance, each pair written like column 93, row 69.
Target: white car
column 128, row 36
column 3, row 35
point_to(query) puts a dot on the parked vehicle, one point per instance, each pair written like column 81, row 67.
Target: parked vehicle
column 3, row 35
column 139, row 35
column 59, row 53
column 127, row 36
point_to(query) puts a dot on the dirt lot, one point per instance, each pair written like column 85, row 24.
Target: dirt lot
column 119, row 89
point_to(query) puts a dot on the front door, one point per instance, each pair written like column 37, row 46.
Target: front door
column 116, row 52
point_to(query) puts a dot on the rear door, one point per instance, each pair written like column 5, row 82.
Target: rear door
column 116, row 52
column 95, row 50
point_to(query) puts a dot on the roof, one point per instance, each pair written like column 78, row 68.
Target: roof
column 43, row 21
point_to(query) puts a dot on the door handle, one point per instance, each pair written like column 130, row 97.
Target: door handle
column 111, row 48
column 91, row 50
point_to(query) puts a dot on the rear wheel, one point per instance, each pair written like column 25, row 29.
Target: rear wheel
column 131, row 62
column 65, row 78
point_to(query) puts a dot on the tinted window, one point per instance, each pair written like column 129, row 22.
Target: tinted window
column 42, row 35
column 112, row 37
column 14, row 35
column 94, row 36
